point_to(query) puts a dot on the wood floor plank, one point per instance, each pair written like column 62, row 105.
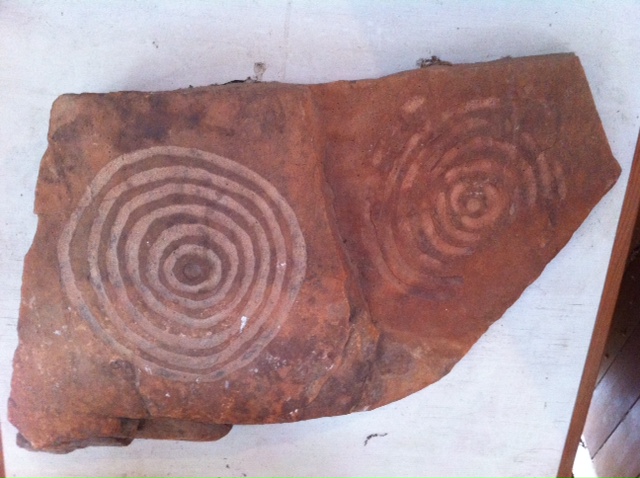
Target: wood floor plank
column 620, row 455
column 635, row 238
column 626, row 316
column 615, row 395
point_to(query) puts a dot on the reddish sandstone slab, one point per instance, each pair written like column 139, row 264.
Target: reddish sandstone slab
column 454, row 189
column 261, row 253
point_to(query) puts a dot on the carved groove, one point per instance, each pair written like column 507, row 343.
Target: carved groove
column 193, row 261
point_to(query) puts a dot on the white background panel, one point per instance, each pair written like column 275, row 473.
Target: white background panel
column 505, row 408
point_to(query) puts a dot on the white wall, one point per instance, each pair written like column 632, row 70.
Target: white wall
column 505, row 408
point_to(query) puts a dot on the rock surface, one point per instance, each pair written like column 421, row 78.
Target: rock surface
column 263, row 253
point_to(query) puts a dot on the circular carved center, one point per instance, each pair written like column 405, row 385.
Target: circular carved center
column 193, row 271
column 473, row 205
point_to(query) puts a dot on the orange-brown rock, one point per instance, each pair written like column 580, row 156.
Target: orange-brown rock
column 262, row 252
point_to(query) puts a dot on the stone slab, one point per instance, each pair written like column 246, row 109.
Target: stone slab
column 264, row 253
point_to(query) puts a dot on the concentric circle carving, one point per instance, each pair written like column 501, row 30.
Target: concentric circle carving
column 454, row 186
column 183, row 261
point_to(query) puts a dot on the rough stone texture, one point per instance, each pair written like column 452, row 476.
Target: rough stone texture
column 261, row 253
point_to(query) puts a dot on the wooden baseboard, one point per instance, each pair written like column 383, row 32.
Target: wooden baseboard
column 619, row 256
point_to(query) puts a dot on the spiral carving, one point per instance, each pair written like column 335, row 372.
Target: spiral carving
column 193, row 261
column 454, row 186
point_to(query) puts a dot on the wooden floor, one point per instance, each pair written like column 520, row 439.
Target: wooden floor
column 612, row 429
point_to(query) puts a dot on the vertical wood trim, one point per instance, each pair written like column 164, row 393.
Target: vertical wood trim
column 608, row 301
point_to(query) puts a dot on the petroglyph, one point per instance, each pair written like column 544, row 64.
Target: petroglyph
column 182, row 244
column 455, row 184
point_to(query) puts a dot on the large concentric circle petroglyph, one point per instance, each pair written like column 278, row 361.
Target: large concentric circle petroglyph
column 185, row 262
column 457, row 182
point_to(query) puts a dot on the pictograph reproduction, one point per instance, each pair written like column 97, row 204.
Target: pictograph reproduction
column 267, row 253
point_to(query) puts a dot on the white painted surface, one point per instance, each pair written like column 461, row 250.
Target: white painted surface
column 583, row 466
column 505, row 408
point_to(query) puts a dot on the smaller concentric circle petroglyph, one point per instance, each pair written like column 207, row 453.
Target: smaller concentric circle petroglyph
column 454, row 185
column 185, row 262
